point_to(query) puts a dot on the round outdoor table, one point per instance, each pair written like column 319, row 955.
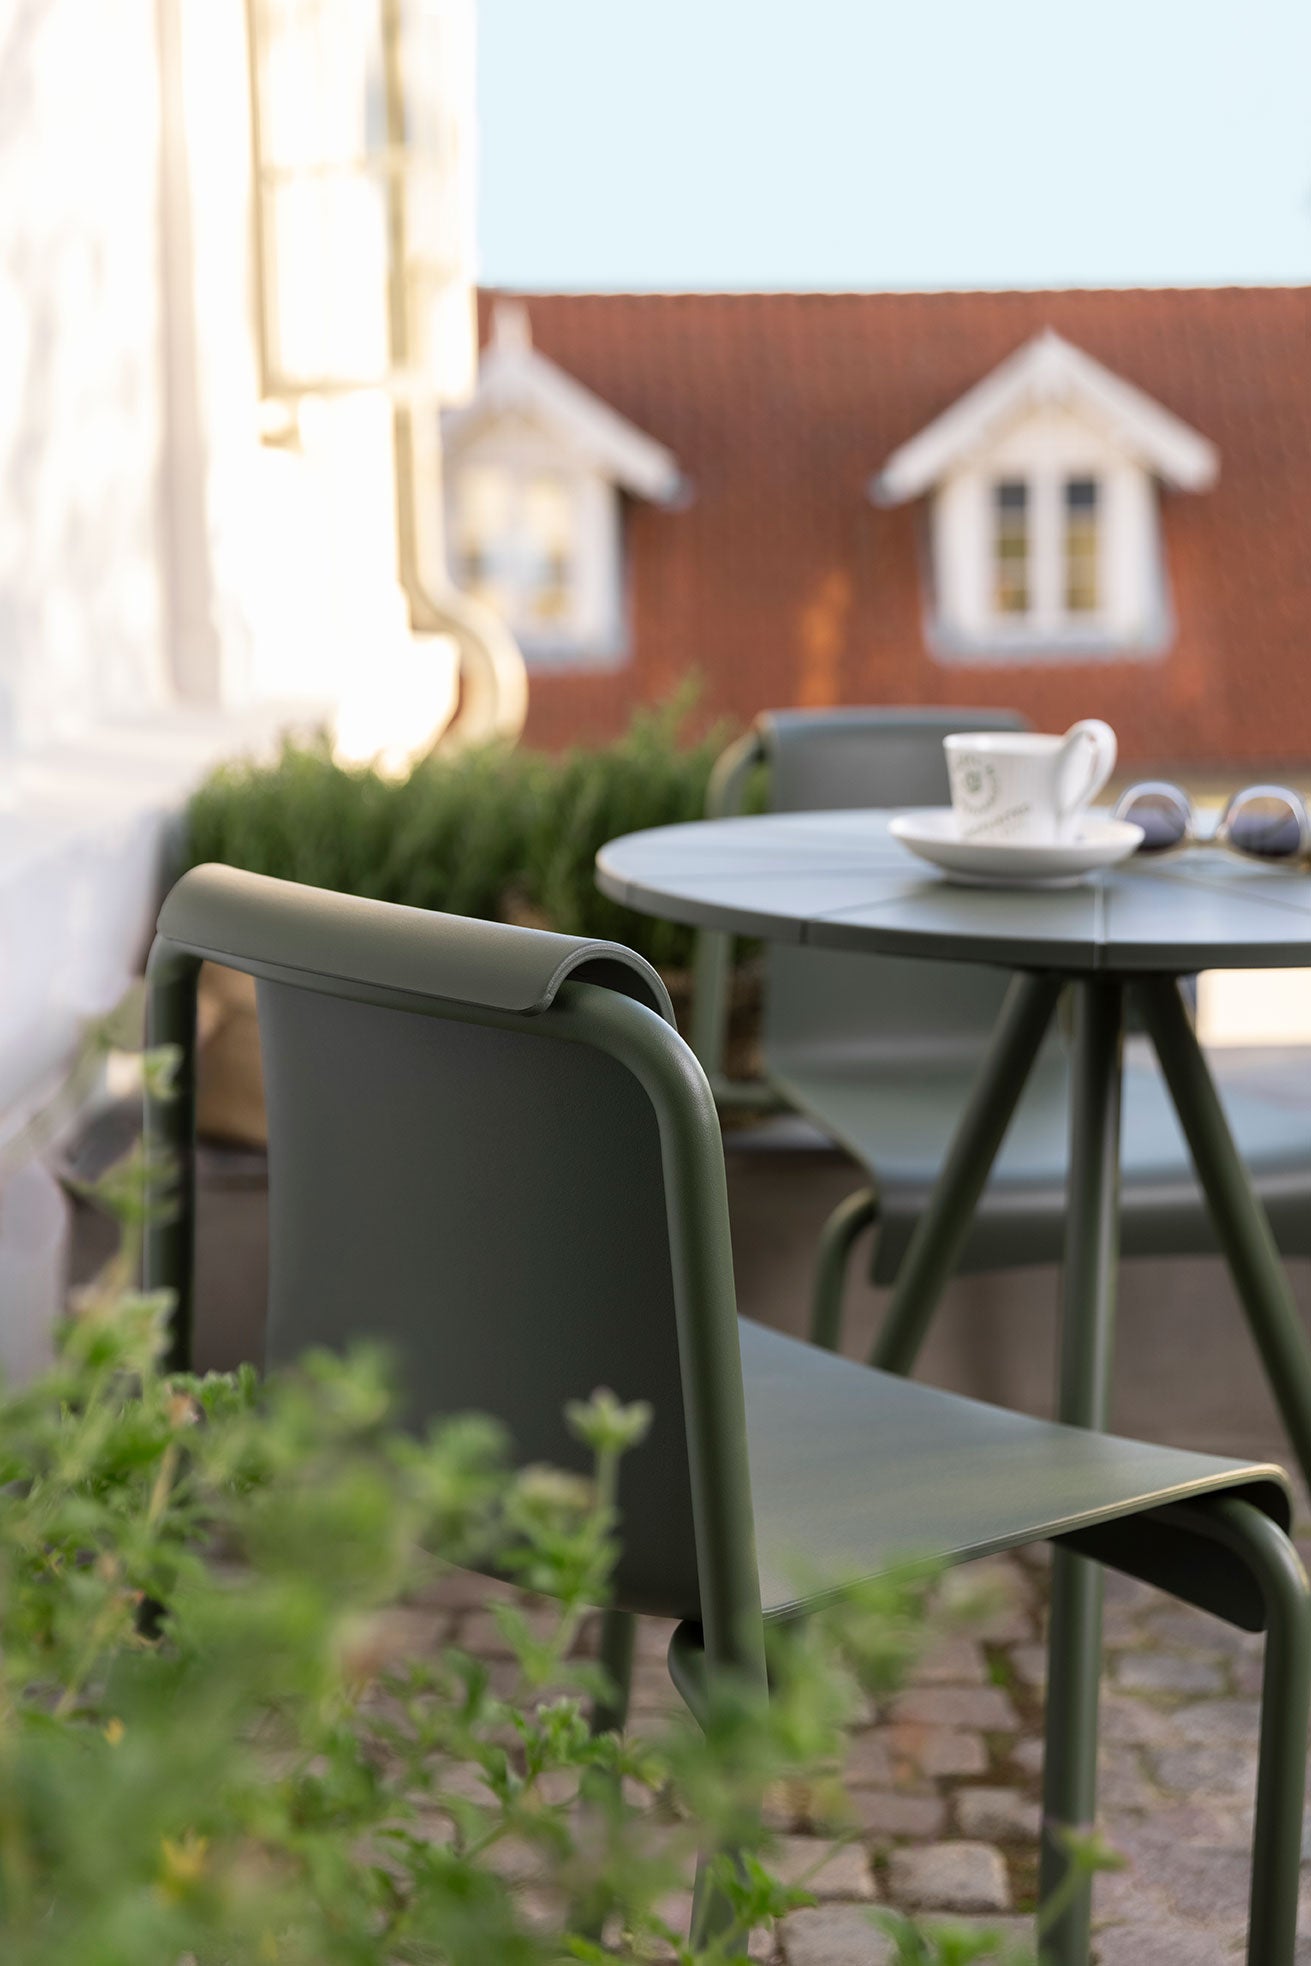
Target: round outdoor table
column 838, row 880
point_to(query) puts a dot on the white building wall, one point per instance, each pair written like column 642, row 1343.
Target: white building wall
column 81, row 619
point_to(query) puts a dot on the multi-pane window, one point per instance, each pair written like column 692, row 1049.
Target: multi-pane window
column 362, row 196
column 1081, row 546
column 515, row 545
column 1011, row 547
column 1046, row 565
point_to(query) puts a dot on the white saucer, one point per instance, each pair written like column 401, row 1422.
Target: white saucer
column 1099, row 842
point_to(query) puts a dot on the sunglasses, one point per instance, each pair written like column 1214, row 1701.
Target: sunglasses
column 1264, row 822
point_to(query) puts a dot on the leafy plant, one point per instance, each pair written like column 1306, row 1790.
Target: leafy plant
column 497, row 832
column 216, row 1749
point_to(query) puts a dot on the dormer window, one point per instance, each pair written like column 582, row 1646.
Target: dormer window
column 537, row 469
column 1044, row 486
column 515, row 546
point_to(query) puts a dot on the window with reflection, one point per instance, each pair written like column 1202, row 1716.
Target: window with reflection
column 515, row 546
column 1082, row 528
column 361, row 184
column 1011, row 547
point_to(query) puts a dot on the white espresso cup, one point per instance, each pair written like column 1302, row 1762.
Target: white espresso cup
column 1018, row 785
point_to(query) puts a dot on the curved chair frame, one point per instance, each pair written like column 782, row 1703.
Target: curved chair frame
column 1213, row 1533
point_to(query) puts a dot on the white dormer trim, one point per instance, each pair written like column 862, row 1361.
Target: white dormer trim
column 1048, row 373
column 514, row 380
column 534, row 519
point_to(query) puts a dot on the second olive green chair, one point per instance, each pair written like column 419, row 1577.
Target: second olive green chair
column 490, row 1150
column 882, row 1052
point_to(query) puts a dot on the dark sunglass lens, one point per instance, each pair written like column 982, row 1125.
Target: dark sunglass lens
column 1163, row 818
column 1265, row 824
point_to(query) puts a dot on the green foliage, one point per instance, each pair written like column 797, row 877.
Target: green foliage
column 209, row 1747
column 499, row 832
column 217, row 1750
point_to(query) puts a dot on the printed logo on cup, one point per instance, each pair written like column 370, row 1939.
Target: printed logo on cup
column 974, row 783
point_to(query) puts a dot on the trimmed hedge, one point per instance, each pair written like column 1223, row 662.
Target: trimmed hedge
column 507, row 834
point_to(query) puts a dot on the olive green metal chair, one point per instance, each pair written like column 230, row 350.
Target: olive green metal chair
column 882, row 1052
column 490, row 1149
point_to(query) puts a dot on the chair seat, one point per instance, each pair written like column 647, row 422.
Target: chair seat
column 853, row 1470
column 898, row 1119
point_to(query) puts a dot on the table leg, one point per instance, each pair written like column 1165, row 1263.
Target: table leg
column 1241, row 1225
column 945, row 1223
column 1086, row 1344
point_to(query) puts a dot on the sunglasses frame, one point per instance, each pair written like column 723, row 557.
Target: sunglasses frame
column 1222, row 836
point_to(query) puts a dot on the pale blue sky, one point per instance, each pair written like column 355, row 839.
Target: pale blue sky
column 894, row 143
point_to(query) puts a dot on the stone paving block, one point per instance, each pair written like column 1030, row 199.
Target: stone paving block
column 1169, row 1672
column 1204, row 1770
column 1246, row 1672
column 955, row 1876
column 885, row 1813
column 870, row 1761
column 1129, row 1895
column 1122, row 1626
column 1122, row 1780
column 1207, row 1884
column 1030, row 1664
column 937, row 1751
column 995, row 1815
column 1161, row 1945
column 1219, row 1723
column 834, row 1935
column 1167, row 1825
column 1128, row 1721
column 830, row 1870
column 956, row 1661
column 993, row 1600
column 986, row 1708
column 1028, row 1756
column 1196, row 1631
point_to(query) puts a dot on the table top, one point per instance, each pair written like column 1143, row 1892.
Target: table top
column 838, row 880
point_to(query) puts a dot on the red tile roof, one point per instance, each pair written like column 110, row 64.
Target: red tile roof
column 781, row 584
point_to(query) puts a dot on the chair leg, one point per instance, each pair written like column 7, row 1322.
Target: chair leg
column 693, row 1671
column 836, row 1237
column 1069, row 1776
column 1273, row 1563
column 618, row 1636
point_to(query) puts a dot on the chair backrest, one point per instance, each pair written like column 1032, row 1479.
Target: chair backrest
column 490, row 1151
column 817, row 1001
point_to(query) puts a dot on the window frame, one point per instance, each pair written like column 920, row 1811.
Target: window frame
column 593, row 632
column 1134, row 617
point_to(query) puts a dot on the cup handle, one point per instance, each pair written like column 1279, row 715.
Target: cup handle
column 1087, row 760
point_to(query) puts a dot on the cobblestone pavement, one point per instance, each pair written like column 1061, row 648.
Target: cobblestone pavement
column 945, row 1779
